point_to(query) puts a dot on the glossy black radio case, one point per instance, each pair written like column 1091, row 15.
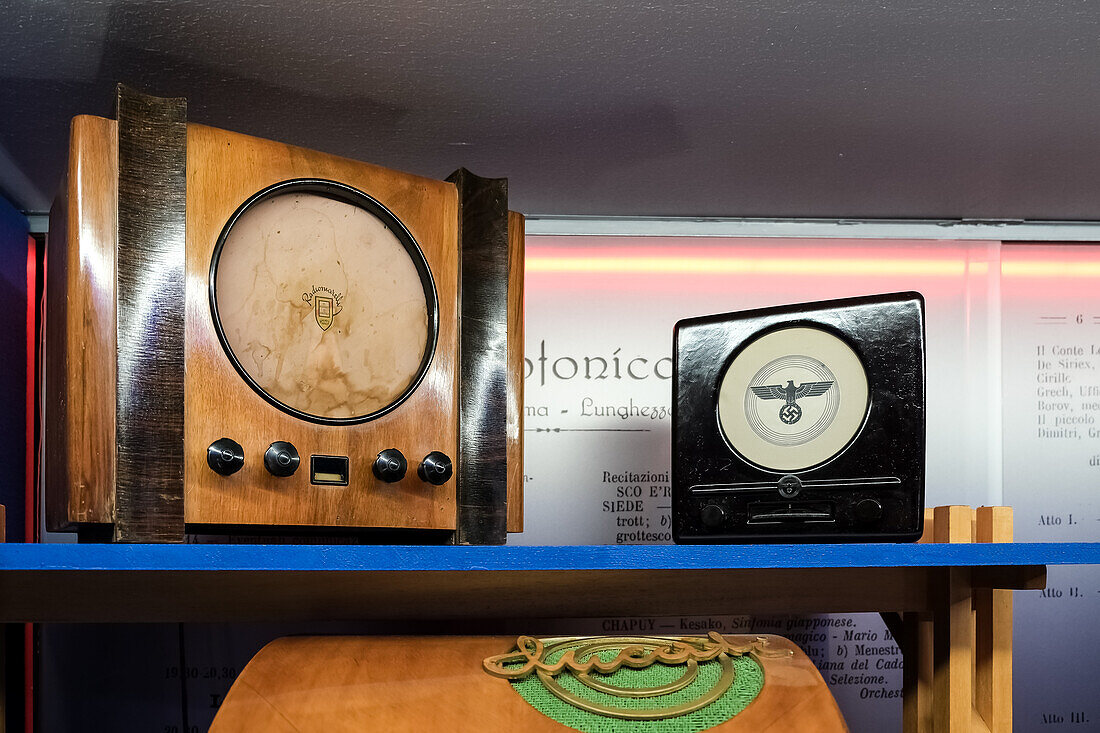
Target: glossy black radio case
column 871, row 490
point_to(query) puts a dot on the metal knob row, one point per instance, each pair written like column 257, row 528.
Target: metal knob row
column 391, row 466
column 225, row 456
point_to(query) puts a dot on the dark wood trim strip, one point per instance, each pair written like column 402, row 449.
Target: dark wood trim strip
column 482, row 462
column 152, row 200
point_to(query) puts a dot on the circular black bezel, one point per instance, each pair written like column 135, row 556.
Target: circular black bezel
column 756, row 336
column 346, row 194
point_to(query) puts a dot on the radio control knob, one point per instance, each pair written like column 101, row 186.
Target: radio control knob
column 435, row 468
column 390, row 466
column 868, row 510
column 789, row 486
column 225, row 456
column 281, row 459
column 713, row 515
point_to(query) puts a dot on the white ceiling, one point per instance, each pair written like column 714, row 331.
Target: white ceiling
column 777, row 108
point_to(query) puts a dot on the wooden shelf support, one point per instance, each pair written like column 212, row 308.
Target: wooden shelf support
column 958, row 658
column 993, row 631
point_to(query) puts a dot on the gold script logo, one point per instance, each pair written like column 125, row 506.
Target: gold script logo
column 532, row 653
column 591, row 661
column 326, row 304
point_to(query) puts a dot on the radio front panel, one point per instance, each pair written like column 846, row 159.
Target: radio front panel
column 322, row 320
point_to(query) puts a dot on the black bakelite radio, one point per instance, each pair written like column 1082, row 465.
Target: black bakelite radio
column 801, row 423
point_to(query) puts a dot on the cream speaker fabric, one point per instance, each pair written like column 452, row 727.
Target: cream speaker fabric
column 792, row 399
column 321, row 305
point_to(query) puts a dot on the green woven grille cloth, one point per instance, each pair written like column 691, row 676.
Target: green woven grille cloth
column 748, row 681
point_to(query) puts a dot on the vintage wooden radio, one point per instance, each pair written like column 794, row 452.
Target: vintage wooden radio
column 724, row 684
column 800, row 423
column 246, row 335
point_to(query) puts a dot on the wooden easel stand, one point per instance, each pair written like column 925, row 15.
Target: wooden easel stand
column 958, row 658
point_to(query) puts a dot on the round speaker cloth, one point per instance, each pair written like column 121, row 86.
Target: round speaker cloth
column 793, row 398
column 323, row 302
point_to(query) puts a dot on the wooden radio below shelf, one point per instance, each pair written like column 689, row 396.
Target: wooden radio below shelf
column 248, row 334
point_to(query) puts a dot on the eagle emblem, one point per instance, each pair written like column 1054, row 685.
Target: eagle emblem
column 790, row 412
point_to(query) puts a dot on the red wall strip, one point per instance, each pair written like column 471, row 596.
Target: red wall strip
column 30, row 529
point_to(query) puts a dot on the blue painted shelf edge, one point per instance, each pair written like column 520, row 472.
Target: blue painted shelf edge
column 404, row 558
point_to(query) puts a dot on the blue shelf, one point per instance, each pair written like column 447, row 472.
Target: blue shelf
column 403, row 558
column 127, row 583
